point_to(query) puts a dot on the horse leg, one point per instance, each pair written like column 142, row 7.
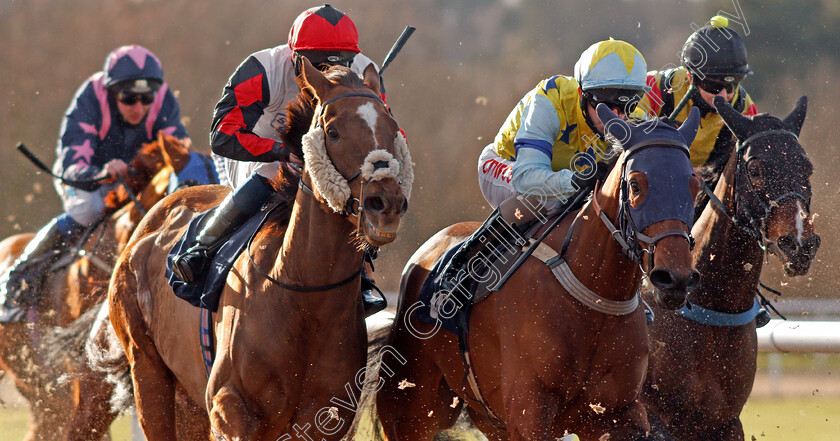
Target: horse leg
column 191, row 419
column 154, row 385
column 483, row 424
column 93, row 415
column 658, row 430
column 416, row 402
column 733, row 430
column 48, row 421
column 626, row 424
column 229, row 415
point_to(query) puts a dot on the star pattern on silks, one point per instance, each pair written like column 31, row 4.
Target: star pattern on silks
column 566, row 132
column 586, row 159
column 83, row 151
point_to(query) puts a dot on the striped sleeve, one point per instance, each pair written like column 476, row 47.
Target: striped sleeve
column 243, row 101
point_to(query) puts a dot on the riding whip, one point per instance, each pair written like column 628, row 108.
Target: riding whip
column 38, row 163
column 397, row 47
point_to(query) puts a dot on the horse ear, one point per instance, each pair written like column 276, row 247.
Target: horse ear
column 371, row 78
column 737, row 123
column 614, row 125
column 688, row 129
column 314, row 79
column 164, row 151
column 797, row 116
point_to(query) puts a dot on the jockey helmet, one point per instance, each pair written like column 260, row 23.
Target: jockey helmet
column 134, row 69
column 324, row 28
column 716, row 50
column 611, row 64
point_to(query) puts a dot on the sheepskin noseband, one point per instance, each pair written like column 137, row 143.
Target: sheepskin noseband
column 379, row 164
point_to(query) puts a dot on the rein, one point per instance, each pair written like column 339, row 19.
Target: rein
column 291, row 287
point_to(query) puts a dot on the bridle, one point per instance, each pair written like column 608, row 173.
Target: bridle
column 754, row 225
column 352, row 206
column 629, row 236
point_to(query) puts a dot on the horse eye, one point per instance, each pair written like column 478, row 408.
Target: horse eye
column 332, row 133
column 755, row 171
column 635, row 189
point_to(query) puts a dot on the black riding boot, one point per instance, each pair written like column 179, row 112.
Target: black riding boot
column 234, row 210
column 19, row 285
column 371, row 301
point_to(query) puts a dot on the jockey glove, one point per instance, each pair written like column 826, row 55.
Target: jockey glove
column 586, row 179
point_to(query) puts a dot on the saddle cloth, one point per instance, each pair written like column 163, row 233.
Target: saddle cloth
column 486, row 272
column 207, row 287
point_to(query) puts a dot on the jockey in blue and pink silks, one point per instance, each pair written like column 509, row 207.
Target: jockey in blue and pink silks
column 113, row 113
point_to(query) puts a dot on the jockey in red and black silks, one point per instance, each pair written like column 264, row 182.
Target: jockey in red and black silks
column 251, row 114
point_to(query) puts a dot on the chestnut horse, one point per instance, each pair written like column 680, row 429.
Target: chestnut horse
column 74, row 288
column 548, row 364
column 703, row 362
column 289, row 332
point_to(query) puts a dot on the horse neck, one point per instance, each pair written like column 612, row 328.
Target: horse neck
column 596, row 258
column 317, row 248
column 728, row 259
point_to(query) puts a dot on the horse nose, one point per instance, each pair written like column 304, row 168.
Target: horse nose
column 379, row 204
column 789, row 245
column 811, row 245
column 666, row 280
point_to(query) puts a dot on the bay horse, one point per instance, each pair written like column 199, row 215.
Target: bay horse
column 74, row 288
column 546, row 363
column 289, row 334
column 703, row 361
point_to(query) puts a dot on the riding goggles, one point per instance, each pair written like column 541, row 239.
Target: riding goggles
column 131, row 98
column 624, row 99
column 714, row 85
column 323, row 60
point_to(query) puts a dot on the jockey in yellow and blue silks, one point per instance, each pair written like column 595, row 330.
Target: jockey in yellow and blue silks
column 552, row 132
column 554, row 129
column 714, row 62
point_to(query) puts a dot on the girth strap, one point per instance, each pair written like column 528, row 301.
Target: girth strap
column 205, row 338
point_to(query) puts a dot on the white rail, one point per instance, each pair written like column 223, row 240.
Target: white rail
column 791, row 336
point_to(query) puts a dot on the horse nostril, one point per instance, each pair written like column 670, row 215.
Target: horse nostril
column 661, row 279
column 693, row 281
column 374, row 204
column 404, row 206
column 787, row 244
column 811, row 245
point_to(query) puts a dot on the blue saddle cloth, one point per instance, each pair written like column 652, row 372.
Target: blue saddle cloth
column 430, row 294
column 207, row 287
column 198, row 171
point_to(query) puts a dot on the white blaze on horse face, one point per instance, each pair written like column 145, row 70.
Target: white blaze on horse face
column 800, row 222
column 368, row 113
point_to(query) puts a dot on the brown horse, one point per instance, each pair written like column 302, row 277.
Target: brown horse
column 703, row 362
column 73, row 289
column 289, row 332
column 547, row 363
